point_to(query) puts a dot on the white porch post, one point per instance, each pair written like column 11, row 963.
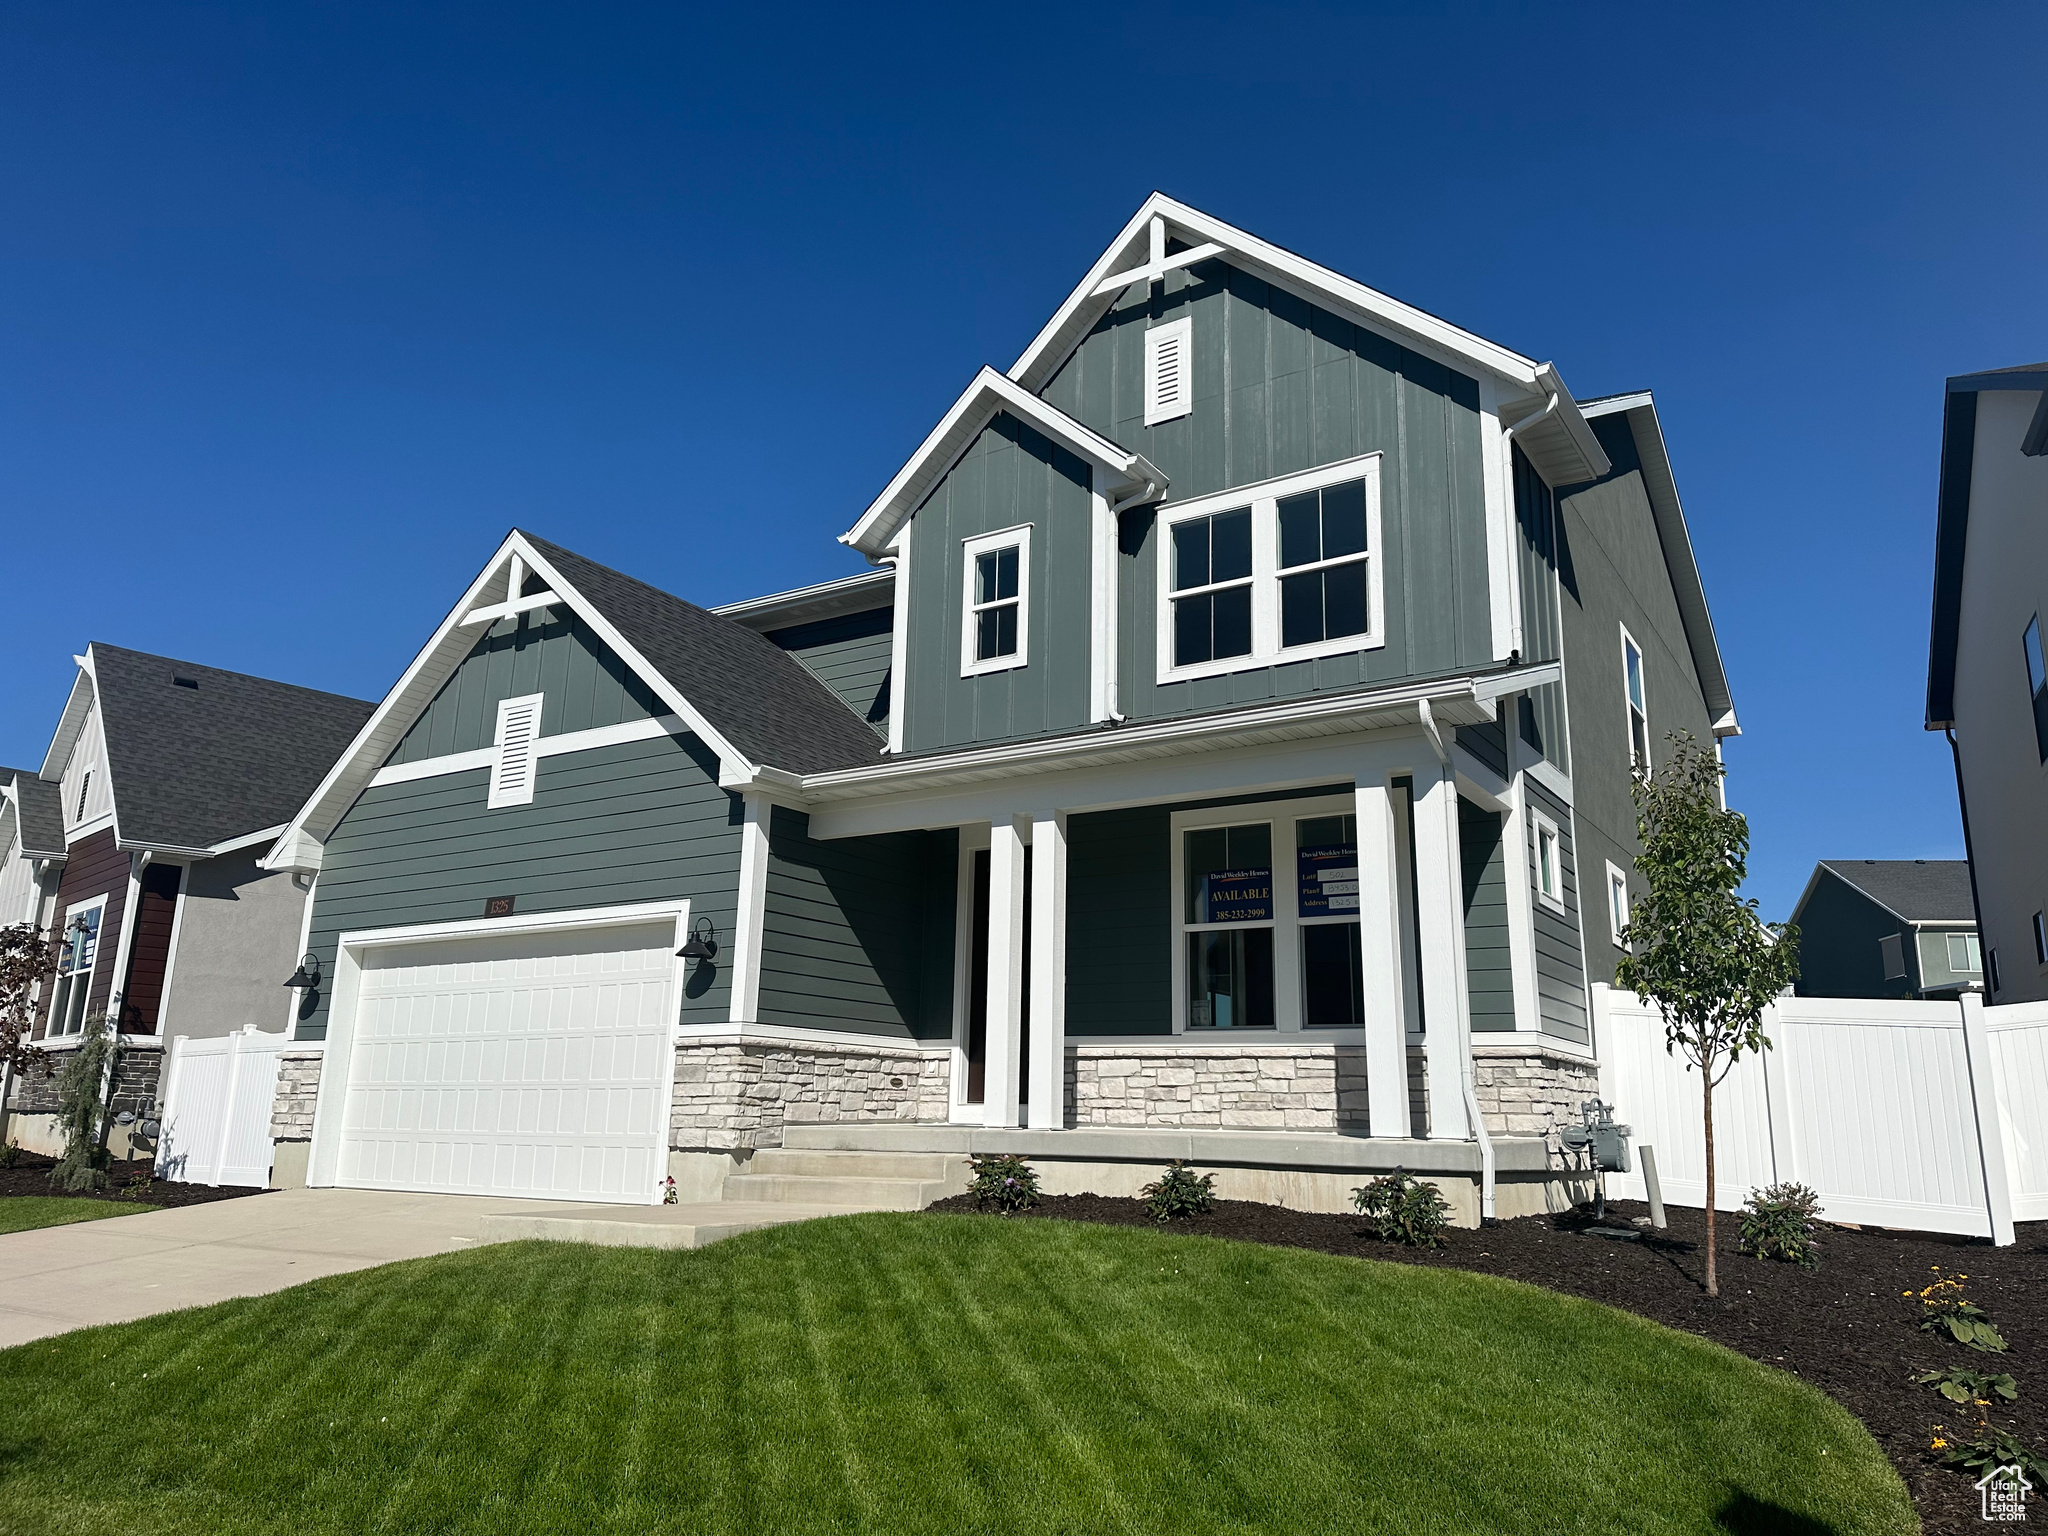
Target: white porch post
column 1002, row 1081
column 1380, row 898
column 753, row 911
column 1049, row 971
column 1440, row 924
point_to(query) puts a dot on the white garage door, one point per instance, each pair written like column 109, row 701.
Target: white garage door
column 527, row 1064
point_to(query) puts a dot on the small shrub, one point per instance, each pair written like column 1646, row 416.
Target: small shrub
column 80, row 1082
column 1963, row 1386
column 10, row 1154
column 1781, row 1221
column 1987, row 1449
column 1180, row 1192
column 1403, row 1209
column 1003, row 1183
column 1946, row 1309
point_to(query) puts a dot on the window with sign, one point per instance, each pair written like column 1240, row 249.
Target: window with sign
column 1281, row 571
column 1326, row 900
column 76, row 958
column 1227, row 925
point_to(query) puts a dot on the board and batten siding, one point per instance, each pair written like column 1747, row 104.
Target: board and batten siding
column 548, row 651
column 642, row 821
column 1544, row 562
column 1120, row 928
column 1560, row 961
column 93, row 866
column 1012, row 475
column 849, row 655
column 858, row 932
column 1489, row 972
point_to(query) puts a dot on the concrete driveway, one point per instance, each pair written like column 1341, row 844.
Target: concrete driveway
column 59, row 1278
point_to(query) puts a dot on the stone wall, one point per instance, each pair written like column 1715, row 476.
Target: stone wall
column 1236, row 1086
column 137, row 1071
column 738, row 1096
column 1524, row 1090
column 298, row 1089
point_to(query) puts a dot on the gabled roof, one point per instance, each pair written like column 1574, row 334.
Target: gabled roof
column 1912, row 890
column 215, row 757
column 1952, row 515
column 1561, row 445
column 988, row 394
column 39, row 811
column 1648, row 433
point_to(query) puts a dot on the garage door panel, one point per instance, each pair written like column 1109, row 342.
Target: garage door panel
column 531, row 1064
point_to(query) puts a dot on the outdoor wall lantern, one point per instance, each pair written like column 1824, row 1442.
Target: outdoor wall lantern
column 308, row 973
column 702, row 943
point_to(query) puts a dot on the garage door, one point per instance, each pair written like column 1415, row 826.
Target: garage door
column 527, row 1064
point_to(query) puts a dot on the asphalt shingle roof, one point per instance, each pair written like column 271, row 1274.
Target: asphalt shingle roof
column 1919, row 890
column 196, row 766
column 761, row 698
column 42, row 812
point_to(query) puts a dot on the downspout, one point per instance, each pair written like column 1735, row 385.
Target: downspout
column 1148, row 490
column 1970, row 857
column 1507, row 452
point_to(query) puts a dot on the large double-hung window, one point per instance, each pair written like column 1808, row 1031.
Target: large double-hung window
column 1282, row 571
column 76, row 960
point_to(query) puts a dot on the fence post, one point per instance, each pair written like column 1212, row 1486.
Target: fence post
column 1990, row 1132
column 1778, row 1094
column 165, row 1091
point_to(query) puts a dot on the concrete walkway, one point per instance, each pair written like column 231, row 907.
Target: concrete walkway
column 60, row 1278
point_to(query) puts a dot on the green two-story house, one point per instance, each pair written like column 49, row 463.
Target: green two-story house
column 1226, row 755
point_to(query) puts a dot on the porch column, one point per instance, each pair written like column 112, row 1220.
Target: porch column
column 752, row 913
column 1048, row 1066
column 1002, row 1081
column 1380, row 898
column 1440, row 930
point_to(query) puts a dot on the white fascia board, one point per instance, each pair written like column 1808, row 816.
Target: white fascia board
column 247, row 840
column 76, row 705
column 988, row 393
column 825, row 599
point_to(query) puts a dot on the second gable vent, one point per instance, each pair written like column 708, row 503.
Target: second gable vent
column 512, row 776
column 1169, row 382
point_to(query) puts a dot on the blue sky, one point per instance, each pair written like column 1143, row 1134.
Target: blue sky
column 304, row 306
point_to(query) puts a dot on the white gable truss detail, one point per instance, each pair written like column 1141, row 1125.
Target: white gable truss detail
column 1121, row 474
column 299, row 845
column 1562, row 448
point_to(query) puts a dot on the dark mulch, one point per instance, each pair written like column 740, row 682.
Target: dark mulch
column 1844, row 1327
column 126, row 1182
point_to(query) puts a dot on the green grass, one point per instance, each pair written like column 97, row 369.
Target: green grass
column 21, row 1213
column 917, row 1374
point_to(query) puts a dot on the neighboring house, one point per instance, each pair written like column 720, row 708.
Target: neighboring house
column 1987, row 679
column 1235, row 738
column 31, row 846
column 1900, row 928
column 167, row 781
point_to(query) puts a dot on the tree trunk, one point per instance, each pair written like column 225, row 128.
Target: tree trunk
column 1707, row 1100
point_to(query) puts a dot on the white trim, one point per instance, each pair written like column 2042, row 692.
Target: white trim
column 971, row 551
column 247, row 840
column 1178, row 336
column 899, row 636
column 545, row 746
column 294, row 995
column 1614, row 923
column 104, row 822
column 163, row 996
column 1520, row 895
column 1543, row 827
column 791, row 1034
column 1550, row 776
column 1263, row 499
column 492, row 612
column 1002, row 1079
column 117, row 1000
column 1047, row 1066
column 91, row 972
column 515, row 765
column 862, row 593
column 1102, row 605
column 974, row 837
column 1504, row 585
column 524, row 922
column 751, row 916
column 1628, row 705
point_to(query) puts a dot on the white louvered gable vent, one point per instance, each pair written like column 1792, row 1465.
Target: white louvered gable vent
column 512, row 775
column 1169, row 378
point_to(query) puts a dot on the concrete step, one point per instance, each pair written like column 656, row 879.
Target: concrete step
column 869, row 1194
column 649, row 1226
column 808, row 1163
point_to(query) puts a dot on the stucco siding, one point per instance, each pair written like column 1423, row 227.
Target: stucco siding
column 237, row 940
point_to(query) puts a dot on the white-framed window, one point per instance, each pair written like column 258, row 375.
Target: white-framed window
column 1617, row 904
column 77, row 959
column 1965, row 957
column 1891, row 953
column 1549, row 856
column 1636, row 702
column 995, row 601
column 1169, row 375
column 513, row 774
column 1281, row 571
column 1254, row 950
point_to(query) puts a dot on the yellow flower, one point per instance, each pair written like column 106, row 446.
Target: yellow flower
column 1940, row 1444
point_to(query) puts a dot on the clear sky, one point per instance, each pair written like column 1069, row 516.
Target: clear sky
column 302, row 306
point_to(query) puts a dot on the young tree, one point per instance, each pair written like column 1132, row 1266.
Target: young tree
column 26, row 957
column 1695, row 948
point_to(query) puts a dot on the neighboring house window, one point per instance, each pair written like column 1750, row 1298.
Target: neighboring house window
column 1617, row 904
column 995, row 628
column 76, row 959
column 2040, row 940
column 1282, row 571
column 1638, row 708
column 1169, row 376
column 2037, row 684
column 1891, row 949
column 1227, row 920
column 513, row 774
column 1549, row 862
column 1963, row 953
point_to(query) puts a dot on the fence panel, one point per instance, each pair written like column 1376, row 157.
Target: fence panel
column 216, row 1114
column 2019, row 1062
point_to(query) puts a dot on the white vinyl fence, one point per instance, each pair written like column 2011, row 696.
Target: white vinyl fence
column 1929, row 1116
column 216, row 1115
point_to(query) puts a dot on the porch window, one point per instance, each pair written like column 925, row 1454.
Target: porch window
column 1326, row 896
column 995, row 629
column 1227, row 920
column 75, row 964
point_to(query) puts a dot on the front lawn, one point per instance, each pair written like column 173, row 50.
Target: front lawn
column 24, row 1212
column 898, row 1373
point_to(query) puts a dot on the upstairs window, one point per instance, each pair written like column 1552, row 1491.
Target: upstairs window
column 1169, row 381
column 1549, row 862
column 1283, row 571
column 1638, row 710
column 1617, row 905
column 1964, row 956
column 995, row 631
column 2037, row 685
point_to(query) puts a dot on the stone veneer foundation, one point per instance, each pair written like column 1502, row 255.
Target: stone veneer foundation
column 731, row 1097
column 1239, row 1086
column 1526, row 1090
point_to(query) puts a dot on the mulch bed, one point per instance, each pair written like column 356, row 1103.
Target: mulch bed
column 126, row 1182
column 1844, row 1327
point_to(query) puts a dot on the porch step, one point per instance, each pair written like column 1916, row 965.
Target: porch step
column 647, row 1226
column 812, row 1190
column 811, row 1162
